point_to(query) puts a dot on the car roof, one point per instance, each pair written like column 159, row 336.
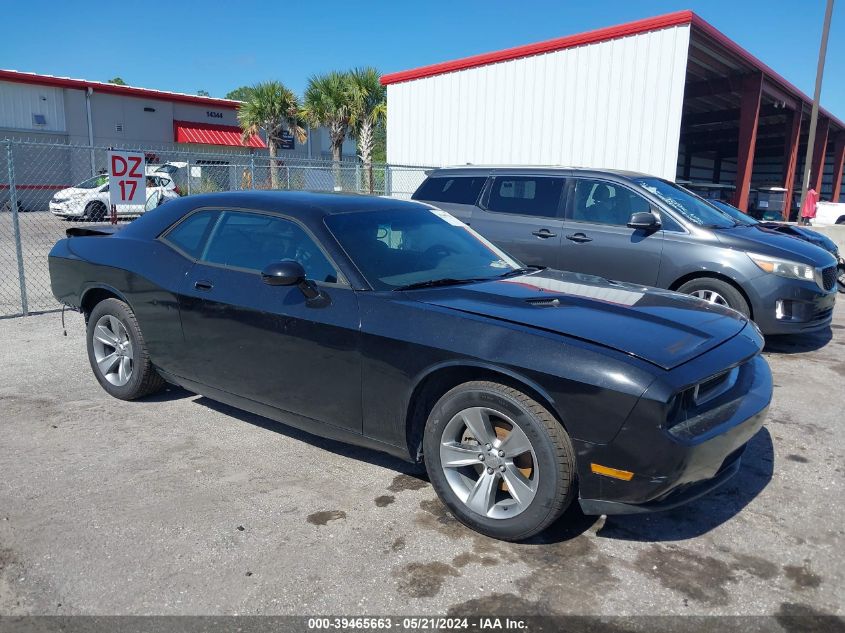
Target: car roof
column 303, row 203
column 488, row 170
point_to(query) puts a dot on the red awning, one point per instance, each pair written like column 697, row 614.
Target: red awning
column 211, row 134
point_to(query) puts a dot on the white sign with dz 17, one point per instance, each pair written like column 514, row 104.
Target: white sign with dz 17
column 127, row 178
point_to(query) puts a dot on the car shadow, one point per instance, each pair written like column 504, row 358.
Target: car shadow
column 360, row 453
column 706, row 513
column 798, row 343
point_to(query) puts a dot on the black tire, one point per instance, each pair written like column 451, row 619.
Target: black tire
column 95, row 212
column 840, row 278
column 555, row 459
column 144, row 379
column 729, row 293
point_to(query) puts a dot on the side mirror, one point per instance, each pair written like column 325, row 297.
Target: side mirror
column 645, row 220
column 289, row 273
column 285, row 273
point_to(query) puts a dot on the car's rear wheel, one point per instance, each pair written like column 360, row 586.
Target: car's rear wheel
column 718, row 292
column 499, row 460
column 117, row 352
column 95, row 212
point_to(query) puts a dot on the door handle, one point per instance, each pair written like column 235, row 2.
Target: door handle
column 203, row 285
column 544, row 233
column 579, row 237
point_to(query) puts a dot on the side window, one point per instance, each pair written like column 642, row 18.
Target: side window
column 526, row 195
column 604, row 202
column 189, row 235
column 252, row 241
column 456, row 189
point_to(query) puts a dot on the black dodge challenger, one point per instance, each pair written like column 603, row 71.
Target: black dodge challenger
column 392, row 325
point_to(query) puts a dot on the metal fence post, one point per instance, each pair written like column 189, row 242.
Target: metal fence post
column 252, row 170
column 387, row 184
column 287, row 175
column 190, row 176
column 13, row 201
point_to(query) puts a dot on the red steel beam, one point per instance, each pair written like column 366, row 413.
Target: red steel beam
column 749, row 115
column 790, row 158
column 838, row 163
column 819, row 152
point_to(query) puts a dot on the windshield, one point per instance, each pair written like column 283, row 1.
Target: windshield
column 689, row 205
column 736, row 214
column 399, row 247
column 93, row 183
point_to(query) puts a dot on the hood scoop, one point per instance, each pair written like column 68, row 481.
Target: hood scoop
column 550, row 302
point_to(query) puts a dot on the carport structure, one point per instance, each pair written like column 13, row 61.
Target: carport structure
column 669, row 95
column 744, row 124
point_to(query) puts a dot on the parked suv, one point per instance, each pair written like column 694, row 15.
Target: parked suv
column 636, row 228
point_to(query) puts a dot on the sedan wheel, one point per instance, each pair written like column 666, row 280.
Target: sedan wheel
column 117, row 352
column 489, row 463
column 499, row 460
column 717, row 292
column 112, row 350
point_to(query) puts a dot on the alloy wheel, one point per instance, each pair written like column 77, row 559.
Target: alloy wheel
column 711, row 296
column 112, row 350
column 489, row 462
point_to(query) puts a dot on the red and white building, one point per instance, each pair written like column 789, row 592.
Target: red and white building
column 668, row 95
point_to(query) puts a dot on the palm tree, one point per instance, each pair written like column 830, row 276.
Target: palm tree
column 371, row 112
column 330, row 102
column 271, row 107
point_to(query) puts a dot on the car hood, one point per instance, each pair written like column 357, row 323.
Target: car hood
column 774, row 244
column 73, row 191
column 664, row 328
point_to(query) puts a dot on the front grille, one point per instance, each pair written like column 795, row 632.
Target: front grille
column 829, row 277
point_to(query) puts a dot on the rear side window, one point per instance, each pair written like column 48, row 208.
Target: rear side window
column 456, row 189
column 189, row 235
column 526, row 195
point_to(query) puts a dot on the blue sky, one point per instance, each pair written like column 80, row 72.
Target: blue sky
column 217, row 45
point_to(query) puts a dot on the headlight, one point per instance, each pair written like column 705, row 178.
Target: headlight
column 785, row 268
column 57, row 200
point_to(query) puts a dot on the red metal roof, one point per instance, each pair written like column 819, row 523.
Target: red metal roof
column 560, row 43
column 601, row 35
column 211, row 134
column 101, row 86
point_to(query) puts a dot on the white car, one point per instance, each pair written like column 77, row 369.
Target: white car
column 829, row 213
column 89, row 200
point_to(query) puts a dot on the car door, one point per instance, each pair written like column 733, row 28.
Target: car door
column 522, row 215
column 596, row 236
column 271, row 344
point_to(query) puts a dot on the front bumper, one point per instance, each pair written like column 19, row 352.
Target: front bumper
column 66, row 209
column 670, row 470
column 787, row 306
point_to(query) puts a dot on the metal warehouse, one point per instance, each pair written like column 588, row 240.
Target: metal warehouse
column 668, row 95
column 82, row 113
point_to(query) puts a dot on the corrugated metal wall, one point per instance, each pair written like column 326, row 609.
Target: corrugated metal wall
column 611, row 104
column 19, row 102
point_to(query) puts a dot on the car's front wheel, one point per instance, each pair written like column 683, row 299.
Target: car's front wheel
column 95, row 212
column 499, row 460
column 718, row 292
column 117, row 352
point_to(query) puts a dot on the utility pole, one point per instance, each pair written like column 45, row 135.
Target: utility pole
column 814, row 117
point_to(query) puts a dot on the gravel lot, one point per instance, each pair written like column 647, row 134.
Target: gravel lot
column 179, row 505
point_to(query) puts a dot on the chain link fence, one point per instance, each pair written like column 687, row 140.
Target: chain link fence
column 47, row 187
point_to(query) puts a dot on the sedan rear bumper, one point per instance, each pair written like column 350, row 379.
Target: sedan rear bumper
column 669, row 470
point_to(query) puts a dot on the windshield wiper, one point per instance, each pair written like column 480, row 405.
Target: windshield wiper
column 447, row 281
column 521, row 271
